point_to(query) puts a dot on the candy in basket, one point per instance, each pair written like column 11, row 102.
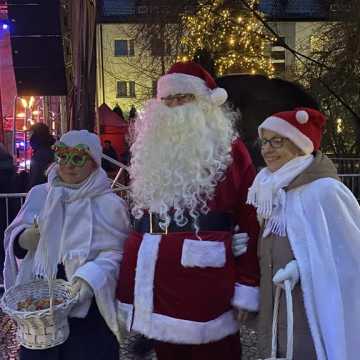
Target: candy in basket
column 42, row 320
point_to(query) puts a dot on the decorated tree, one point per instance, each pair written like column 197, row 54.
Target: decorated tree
column 230, row 34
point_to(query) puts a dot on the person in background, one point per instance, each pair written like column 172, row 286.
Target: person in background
column 82, row 226
column 109, row 150
column 117, row 109
column 125, row 156
column 132, row 114
column 41, row 141
column 179, row 282
column 7, row 178
column 310, row 237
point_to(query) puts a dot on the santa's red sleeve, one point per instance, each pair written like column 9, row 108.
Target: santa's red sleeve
column 246, row 294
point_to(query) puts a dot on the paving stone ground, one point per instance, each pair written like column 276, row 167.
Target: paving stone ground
column 8, row 345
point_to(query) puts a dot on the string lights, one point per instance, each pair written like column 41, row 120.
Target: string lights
column 235, row 38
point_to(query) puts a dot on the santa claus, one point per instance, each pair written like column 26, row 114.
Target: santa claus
column 180, row 283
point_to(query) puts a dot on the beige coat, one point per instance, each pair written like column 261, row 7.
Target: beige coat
column 274, row 253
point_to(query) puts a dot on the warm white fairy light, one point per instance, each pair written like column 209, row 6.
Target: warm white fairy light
column 235, row 38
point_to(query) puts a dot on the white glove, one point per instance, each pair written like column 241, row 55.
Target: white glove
column 29, row 239
column 81, row 287
column 290, row 272
column 239, row 243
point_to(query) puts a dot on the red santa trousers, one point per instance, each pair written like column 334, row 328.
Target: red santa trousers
column 228, row 348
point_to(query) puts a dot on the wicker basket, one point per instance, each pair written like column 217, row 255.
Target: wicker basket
column 41, row 329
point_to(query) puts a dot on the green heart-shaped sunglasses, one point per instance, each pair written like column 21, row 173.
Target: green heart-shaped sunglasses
column 76, row 156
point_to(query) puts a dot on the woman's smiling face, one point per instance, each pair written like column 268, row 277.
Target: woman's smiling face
column 277, row 150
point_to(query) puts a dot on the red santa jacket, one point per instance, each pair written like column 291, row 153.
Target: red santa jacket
column 176, row 288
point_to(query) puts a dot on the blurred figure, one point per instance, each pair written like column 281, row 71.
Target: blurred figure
column 132, row 113
column 125, row 156
column 7, row 175
column 117, row 109
column 109, row 150
column 41, row 141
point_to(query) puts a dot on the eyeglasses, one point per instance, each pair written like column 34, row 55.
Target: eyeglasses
column 276, row 142
column 179, row 97
column 76, row 156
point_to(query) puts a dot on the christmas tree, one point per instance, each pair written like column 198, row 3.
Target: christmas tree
column 231, row 33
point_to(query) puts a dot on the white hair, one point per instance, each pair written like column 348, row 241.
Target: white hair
column 179, row 155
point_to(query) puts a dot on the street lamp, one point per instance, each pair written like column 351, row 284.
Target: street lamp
column 27, row 105
column 4, row 25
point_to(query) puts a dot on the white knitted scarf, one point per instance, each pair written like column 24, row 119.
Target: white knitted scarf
column 57, row 245
column 267, row 193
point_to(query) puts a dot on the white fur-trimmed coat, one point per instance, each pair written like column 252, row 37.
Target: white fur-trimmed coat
column 110, row 227
column 323, row 226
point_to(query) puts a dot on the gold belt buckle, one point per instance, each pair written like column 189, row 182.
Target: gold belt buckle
column 160, row 230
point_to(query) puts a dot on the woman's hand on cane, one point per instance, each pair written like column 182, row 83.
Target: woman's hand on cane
column 290, row 272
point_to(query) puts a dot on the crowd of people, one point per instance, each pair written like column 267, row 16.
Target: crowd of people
column 205, row 240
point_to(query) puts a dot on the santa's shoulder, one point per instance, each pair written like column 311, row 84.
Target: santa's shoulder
column 240, row 152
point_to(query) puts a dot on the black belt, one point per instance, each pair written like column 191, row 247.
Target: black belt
column 213, row 221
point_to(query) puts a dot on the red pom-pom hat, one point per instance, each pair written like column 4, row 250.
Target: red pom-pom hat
column 303, row 126
column 190, row 78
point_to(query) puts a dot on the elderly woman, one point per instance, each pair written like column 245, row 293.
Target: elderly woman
column 311, row 237
column 82, row 226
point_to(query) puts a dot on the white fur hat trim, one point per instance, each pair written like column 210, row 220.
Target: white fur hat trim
column 284, row 128
column 177, row 83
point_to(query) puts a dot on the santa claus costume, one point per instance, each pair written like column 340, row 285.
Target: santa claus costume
column 179, row 282
column 310, row 237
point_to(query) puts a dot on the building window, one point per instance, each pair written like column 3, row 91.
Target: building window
column 142, row 10
column 154, row 88
column 125, row 89
column 160, row 47
column 132, row 89
column 278, row 56
column 124, row 48
column 279, row 68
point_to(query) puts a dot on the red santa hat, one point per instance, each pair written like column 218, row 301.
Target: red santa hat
column 190, row 78
column 303, row 126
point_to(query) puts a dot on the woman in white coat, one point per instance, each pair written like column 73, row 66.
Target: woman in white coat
column 82, row 225
column 311, row 237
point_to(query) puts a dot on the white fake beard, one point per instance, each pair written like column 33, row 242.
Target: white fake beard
column 178, row 156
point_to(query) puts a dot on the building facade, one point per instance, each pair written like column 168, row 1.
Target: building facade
column 131, row 53
column 298, row 36
column 297, row 22
column 129, row 62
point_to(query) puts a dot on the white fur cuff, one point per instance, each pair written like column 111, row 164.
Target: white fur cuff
column 246, row 297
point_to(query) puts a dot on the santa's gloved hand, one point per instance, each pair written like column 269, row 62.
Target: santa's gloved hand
column 290, row 272
column 81, row 288
column 29, row 238
column 239, row 243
